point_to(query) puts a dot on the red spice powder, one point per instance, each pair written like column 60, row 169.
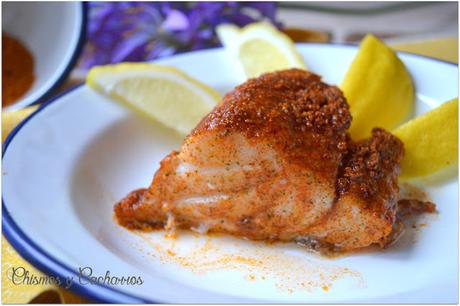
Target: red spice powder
column 17, row 70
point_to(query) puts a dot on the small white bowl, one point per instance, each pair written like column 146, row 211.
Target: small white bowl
column 54, row 33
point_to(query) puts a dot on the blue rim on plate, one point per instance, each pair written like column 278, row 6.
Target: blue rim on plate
column 73, row 59
column 39, row 258
column 49, row 265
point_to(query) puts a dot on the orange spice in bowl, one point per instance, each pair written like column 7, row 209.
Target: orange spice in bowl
column 17, row 70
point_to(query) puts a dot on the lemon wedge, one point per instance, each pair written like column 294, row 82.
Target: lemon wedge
column 163, row 93
column 430, row 142
column 378, row 88
column 260, row 48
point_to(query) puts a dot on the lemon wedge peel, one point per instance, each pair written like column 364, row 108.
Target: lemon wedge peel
column 260, row 48
column 163, row 93
column 431, row 144
column 378, row 88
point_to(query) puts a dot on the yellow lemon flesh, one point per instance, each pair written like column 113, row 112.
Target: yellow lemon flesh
column 162, row 93
column 430, row 142
column 378, row 88
column 260, row 48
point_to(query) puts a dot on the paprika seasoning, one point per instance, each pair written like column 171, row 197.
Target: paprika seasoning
column 17, row 69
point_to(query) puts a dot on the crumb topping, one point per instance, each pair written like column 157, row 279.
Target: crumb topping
column 295, row 96
column 368, row 162
column 407, row 207
column 294, row 111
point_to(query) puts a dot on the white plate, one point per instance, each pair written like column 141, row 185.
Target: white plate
column 66, row 166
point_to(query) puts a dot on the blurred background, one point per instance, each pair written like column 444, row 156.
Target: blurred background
column 97, row 33
column 145, row 31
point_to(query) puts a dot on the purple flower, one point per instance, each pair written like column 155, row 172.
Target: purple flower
column 175, row 21
column 141, row 31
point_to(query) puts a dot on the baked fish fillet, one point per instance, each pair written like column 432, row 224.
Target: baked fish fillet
column 274, row 161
